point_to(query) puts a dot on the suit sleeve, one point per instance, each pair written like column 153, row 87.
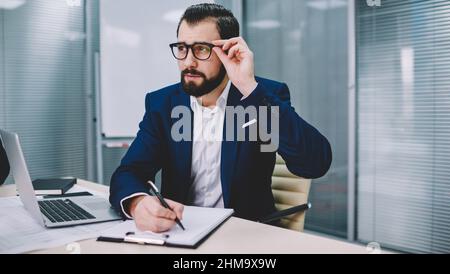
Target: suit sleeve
column 306, row 151
column 141, row 162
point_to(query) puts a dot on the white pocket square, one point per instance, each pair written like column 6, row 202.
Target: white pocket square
column 249, row 123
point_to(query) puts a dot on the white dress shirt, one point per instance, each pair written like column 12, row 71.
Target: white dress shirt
column 206, row 189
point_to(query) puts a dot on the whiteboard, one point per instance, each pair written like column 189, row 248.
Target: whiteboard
column 135, row 58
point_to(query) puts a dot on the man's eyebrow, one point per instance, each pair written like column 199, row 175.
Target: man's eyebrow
column 198, row 42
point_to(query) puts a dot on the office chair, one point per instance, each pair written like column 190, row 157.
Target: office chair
column 289, row 190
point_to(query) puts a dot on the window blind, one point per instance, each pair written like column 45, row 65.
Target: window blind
column 42, row 85
column 403, row 129
column 304, row 43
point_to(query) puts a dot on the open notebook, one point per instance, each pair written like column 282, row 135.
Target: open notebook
column 199, row 222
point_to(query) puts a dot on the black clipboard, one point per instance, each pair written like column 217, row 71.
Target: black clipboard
column 150, row 239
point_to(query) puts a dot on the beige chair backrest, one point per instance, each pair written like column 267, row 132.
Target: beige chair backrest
column 289, row 190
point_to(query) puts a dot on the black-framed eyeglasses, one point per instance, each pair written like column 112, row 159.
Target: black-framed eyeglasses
column 200, row 50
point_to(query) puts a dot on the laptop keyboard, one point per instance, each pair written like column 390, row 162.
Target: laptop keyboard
column 63, row 210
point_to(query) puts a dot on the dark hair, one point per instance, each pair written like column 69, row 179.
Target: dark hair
column 227, row 24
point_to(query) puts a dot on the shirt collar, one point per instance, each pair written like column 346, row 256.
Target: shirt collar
column 221, row 101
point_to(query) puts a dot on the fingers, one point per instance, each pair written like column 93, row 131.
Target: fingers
column 235, row 51
column 152, row 216
column 218, row 42
column 222, row 55
column 162, row 225
column 226, row 44
column 157, row 210
column 177, row 207
column 234, row 54
column 148, row 222
column 236, row 47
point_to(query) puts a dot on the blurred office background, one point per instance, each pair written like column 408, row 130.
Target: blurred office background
column 373, row 76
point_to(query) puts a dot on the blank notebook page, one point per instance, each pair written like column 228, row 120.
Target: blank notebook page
column 198, row 222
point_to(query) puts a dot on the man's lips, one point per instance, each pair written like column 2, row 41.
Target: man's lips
column 192, row 76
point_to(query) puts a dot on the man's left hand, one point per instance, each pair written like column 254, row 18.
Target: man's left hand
column 238, row 63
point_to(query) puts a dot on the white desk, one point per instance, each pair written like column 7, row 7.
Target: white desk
column 234, row 236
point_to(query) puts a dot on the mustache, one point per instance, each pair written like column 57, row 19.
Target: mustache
column 193, row 72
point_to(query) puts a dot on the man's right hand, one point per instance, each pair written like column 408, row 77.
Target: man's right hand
column 150, row 215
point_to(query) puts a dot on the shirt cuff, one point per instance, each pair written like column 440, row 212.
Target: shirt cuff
column 129, row 197
column 244, row 97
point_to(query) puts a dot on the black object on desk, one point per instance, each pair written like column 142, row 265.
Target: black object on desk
column 283, row 213
column 74, row 194
column 53, row 186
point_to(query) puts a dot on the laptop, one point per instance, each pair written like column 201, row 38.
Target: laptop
column 53, row 212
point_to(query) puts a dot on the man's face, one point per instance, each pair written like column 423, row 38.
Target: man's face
column 200, row 77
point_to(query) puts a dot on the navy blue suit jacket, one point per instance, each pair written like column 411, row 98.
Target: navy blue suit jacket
column 245, row 170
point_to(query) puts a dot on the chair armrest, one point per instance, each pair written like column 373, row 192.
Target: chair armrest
column 283, row 213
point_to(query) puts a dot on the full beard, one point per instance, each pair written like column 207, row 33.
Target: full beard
column 204, row 88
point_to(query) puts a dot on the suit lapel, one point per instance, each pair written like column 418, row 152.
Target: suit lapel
column 229, row 149
column 184, row 148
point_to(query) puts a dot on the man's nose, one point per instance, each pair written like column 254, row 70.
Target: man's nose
column 190, row 60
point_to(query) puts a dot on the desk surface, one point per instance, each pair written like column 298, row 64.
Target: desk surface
column 234, row 236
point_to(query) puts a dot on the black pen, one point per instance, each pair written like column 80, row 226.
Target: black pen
column 155, row 191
